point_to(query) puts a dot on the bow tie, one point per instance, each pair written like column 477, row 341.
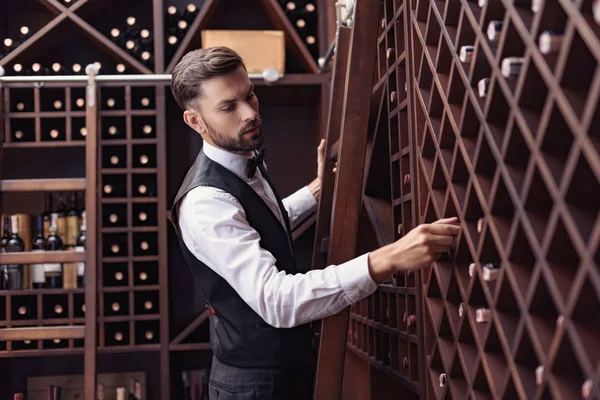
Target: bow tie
column 255, row 162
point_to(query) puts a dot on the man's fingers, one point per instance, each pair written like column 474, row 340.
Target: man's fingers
column 444, row 229
column 440, row 249
column 440, row 240
column 451, row 220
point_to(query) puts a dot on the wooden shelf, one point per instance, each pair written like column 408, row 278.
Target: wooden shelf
column 62, row 256
column 38, row 145
column 189, row 347
column 43, row 333
column 42, row 185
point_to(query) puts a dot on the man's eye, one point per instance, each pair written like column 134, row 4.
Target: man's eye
column 229, row 109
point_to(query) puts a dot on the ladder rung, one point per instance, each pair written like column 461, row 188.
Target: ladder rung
column 43, row 333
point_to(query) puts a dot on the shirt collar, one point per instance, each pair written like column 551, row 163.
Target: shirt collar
column 236, row 163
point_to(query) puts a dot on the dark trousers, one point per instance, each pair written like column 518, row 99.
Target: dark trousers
column 229, row 382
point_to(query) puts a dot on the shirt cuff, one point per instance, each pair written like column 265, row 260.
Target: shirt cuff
column 305, row 198
column 355, row 278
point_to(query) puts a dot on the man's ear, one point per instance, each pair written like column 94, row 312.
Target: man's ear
column 194, row 121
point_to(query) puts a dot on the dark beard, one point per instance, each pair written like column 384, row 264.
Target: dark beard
column 239, row 143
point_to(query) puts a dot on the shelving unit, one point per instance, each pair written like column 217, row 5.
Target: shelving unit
column 292, row 111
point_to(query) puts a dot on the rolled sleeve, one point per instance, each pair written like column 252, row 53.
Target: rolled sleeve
column 355, row 278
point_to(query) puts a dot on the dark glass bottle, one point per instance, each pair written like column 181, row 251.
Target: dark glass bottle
column 73, row 216
column 15, row 244
column 47, row 213
column 53, row 271
column 3, row 243
column 61, row 222
column 80, row 246
column 38, row 245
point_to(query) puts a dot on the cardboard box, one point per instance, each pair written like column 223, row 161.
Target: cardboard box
column 259, row 49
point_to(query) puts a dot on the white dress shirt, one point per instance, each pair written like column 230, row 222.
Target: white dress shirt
column 214, row 228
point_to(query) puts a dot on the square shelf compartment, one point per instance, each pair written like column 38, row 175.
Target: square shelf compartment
column 112, row 98
column 147, row 332
column 143, row 185
column 143, row 127
column 146, row 302
column 53, row 129
column 143, row 98
column 145, row 273
column 116, row 304
column 114, row 245
column 78, row 128
column 115, row 274
column 21, row 130
column 144, row 214
column 114, row 215
column 116, row 334
column 52, row 99
column 114, row 185
column 23, row 308
column 55, row 306
column 145, row 244
column 21, row 100
column 112, row 128
column 114, row 156
column 143, row 156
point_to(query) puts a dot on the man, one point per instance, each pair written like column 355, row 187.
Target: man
column 234, row 231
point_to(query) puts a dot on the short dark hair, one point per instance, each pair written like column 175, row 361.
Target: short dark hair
column 198, row 66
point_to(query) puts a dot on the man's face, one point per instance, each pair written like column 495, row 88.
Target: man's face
column 229, row 112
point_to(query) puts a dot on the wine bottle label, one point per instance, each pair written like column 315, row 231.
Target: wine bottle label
column 80, row 265
column 53, row 268
column 483, row 86
column 466, row 53
column 482, row 315
column 539, row 375
column 472, row 270
column 550, row 42
column 46, row 227
column 73, row 230
column 37, row 270
column 70, row 276
column 494, row 29
column 511, row 66
column 490, row 274
column 61, row 229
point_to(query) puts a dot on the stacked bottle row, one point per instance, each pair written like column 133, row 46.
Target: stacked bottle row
column 303, row 16
column 60, row 230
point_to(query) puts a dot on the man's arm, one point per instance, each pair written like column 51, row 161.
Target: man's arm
column 215, row 229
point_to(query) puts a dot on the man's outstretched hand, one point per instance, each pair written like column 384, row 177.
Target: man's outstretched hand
column 415, row 250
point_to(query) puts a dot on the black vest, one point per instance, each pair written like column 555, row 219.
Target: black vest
column 239, row 336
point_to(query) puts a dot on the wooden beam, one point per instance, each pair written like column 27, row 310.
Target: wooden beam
column 349, row 185
column 27, row 257
column 43, row 333
column 42, row 185
column 190, row 328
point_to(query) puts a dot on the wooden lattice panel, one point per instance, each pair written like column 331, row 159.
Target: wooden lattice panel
column 519, row 165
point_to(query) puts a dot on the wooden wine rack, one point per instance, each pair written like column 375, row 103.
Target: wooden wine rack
column 520, row 168
column 80, row 33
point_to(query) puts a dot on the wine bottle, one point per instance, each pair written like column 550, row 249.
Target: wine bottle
column 132, row 388
column 511, row 66
column 146, row 39
column 550, row 42
column 76, row 68
column 24, row 33
column 483, row 86
column 18, row 135
column 18, row 396
column 120, row 68
column 147, row 58
column 172, row 17
column 36, row 69
column 72, row 222
column 138, row 391
column 58, row 69
column 15, row 244
column 494, row 30
column 53, row 271
column 47, row 214
column 62, row 219
column 37, row 246
column 18, row 69
column 132, row 31
column 121, row 393
column 466, row 53
column 9, row 45
column 80, row 246
column 182, row 28
column 190, row 12
column 172, row 41
column 185, row 380
column 117, row 37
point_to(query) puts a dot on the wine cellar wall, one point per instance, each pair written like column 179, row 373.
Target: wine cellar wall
column 144, row 150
